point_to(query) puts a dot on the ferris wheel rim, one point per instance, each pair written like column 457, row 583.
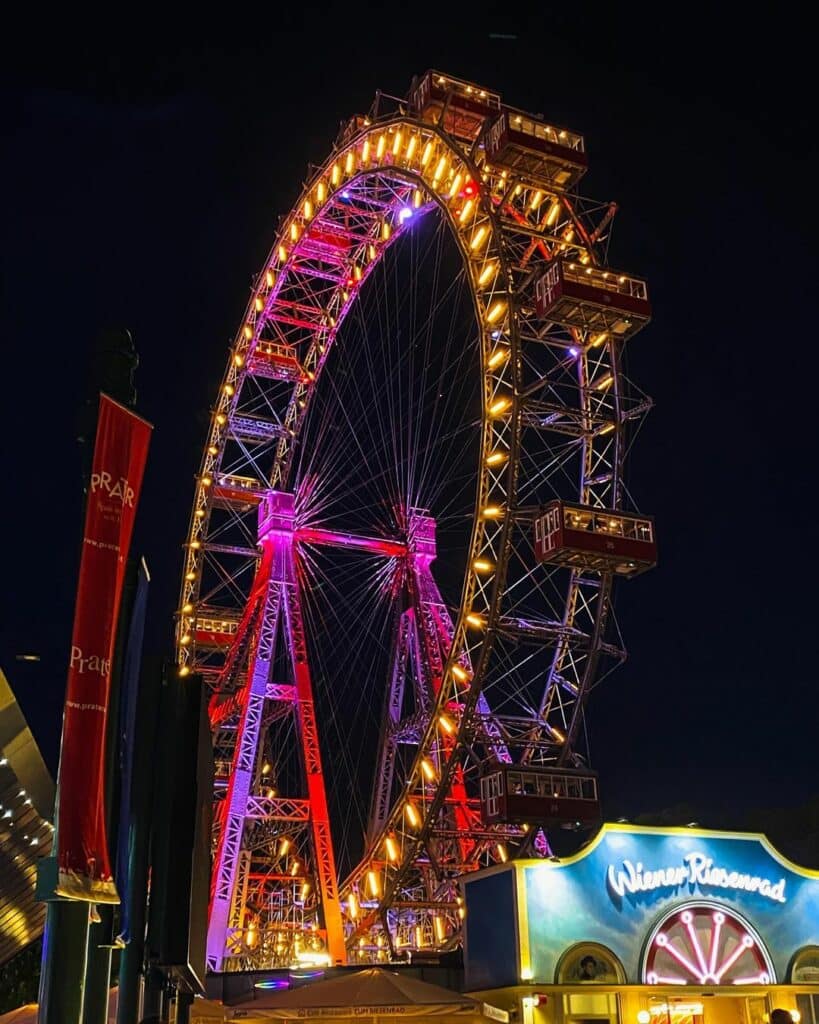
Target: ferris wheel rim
column 283, row 466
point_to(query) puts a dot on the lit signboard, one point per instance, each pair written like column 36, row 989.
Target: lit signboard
column 645, row 895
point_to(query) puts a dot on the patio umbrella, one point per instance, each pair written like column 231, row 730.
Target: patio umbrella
column 373, row 993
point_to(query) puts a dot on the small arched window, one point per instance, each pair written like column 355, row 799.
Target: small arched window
column 805, row 966
column 589, row 963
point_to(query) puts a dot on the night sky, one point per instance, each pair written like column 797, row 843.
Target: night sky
column 145, row 168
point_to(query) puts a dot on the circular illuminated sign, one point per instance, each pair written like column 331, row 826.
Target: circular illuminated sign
column 704, row 944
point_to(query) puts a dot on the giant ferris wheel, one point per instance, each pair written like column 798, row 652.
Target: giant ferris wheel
column 408, row 517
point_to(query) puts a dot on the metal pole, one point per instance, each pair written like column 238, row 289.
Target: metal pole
column 133, row 955
column 98, row 968
column 62, row 975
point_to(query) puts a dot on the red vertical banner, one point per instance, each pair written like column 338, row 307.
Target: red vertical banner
column 120, row 452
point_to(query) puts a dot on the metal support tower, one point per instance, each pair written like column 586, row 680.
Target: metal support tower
column 275, row 598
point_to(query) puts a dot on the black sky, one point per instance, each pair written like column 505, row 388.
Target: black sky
column 144, row 171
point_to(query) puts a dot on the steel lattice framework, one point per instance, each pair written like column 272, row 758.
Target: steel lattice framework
column 505, row 675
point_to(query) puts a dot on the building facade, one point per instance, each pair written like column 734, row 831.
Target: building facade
column 648, row 926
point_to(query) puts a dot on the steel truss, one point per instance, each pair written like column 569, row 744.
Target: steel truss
column 506, row 674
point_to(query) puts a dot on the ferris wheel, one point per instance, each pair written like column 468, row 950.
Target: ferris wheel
column 409, row 514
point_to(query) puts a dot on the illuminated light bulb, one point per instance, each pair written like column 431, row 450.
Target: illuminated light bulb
column 321, row 192
column 525, row 828
column 250, row 937
column 487, row 274
column 417, row 198
column 352, row 906
column 258, row 303
column 229, row 390
column 482, row 565
column 294, row 867
column 439, row 169
column 499, row 407
column 551, row 216
column 282, row 254
column 184, row 671
column 460, row 673
column 307, row 209
column 585, row 260
column 391, row 848
column 269, row 278
column 294, row 231
column 186, row 639
column 372, row 252
column 419, row 935
column 465, row 212
column 536, row 200
column 426, row 154
column 412, row 815
column 605, row 382
column 335, row 174
column 496, row 458
column 412, row 146
column 446, row 724
column 503, row 856
column 598, row 339
column 349, row 162
column 187, row 608
column 500, row 355
column 238, row 359
column 385, row 231
column 212, row 449
column 643, row 1017
column 200, row 513
column 396, row 143
column 461, row 913
column 478, row 237
column 266, row 768
column 475, row 620
column 427, row 769
column 456, row 185
column 492, row 512
column 305, row 889
column 206, row 481
column 496, row 311
column 221, row 419
column 557, row 735
column 190, row 576
column 379, row 147
column 247, row 331
column 439, row 927
column 365, row 151
column 607, row 429
column 374, row 883
column 357, row 272
column 284, row 846
column 621, row 280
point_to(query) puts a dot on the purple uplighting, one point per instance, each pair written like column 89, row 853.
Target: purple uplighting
column 404, row 214
column 574, row 352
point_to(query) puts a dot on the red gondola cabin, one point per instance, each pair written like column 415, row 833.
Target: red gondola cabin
column 525, row 794
column 592, row 299
column 461, row 107
column 581, row 537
